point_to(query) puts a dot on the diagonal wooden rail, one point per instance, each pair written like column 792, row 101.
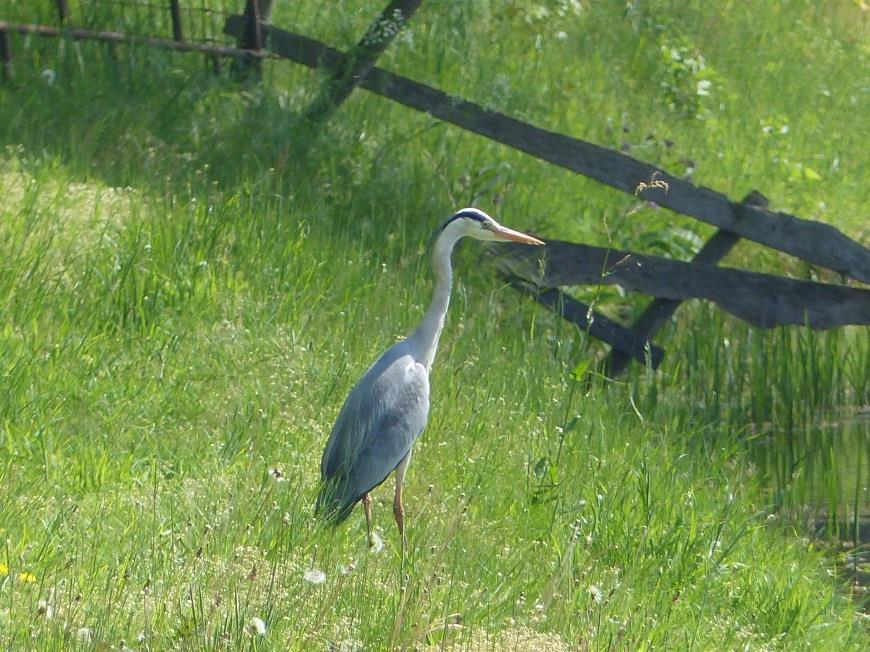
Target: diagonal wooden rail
column 361, row 59
column 815, row 242
column 660, row 310
column 622, row 339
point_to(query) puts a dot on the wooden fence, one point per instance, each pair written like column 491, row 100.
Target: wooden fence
column 761, row 299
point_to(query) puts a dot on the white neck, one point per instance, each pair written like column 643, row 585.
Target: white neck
column 424, row 340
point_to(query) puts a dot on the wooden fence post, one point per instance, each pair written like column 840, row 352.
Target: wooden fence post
column 62, row 10
column 6, row 54
column 256, row 11
column 175, row 10
column 361, row 59
column 660, row 310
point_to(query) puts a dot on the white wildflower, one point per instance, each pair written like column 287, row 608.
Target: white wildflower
column 704, row 86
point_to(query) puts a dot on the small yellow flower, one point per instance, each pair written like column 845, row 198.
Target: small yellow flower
column 4, row 569
column 27, row 578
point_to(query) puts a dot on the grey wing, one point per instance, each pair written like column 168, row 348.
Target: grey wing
column 381, row 418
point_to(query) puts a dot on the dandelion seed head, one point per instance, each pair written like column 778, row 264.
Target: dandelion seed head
column 376, row 544
column 347, row 569
column 596, row 593
column 315, row 576
column 44, row 609
column 256, row 627
column 346, row 645
column 85, row 634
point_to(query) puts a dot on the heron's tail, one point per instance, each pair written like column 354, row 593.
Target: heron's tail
column 332, row 503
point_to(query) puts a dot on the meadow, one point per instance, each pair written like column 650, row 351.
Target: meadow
column 192, row 278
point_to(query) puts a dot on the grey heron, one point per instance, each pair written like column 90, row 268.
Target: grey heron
column 387, row 409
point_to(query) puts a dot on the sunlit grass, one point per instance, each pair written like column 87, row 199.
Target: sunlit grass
column 191, row 281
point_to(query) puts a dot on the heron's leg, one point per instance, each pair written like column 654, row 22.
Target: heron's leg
column 398, row 510
column 367, row 507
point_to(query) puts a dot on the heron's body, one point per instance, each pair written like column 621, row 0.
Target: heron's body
column 387, row 409
column 381, row 419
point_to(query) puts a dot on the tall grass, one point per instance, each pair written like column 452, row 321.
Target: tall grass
column 191, row 280
column 795, row 397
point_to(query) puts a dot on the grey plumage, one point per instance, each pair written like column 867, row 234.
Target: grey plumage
column 382, row 417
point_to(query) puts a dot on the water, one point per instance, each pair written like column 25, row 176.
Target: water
column 819, row 475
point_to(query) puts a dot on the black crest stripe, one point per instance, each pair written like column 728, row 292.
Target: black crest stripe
column 468, row 213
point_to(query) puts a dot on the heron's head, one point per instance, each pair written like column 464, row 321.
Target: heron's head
column 474, row 223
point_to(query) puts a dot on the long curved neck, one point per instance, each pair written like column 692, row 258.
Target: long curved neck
column 424, row 340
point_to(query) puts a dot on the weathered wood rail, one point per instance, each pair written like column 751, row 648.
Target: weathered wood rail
column 624, row 340
column 660, row 310
column 106, row 36
column 356, row 65
column 761, row 299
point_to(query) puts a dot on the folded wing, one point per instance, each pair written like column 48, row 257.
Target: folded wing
column 377, row 426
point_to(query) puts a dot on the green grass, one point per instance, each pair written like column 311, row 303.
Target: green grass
column 191, row 280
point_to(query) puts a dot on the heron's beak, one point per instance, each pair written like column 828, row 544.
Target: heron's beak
column 504, row 233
